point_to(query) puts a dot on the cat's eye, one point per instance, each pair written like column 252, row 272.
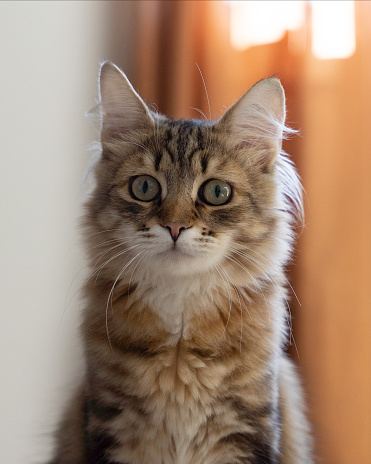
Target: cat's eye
column 215, row 192
column 144, row 188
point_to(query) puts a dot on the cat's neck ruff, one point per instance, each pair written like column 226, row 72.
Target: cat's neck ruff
column 176, row 298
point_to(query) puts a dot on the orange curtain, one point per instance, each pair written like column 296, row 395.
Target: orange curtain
column 330, row 102
column 177, row 37
column 334, row 266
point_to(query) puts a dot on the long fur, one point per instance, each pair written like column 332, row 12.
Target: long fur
column 184, row 334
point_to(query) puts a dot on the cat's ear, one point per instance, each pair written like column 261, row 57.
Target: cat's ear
column 256, row 122
column 123, row 111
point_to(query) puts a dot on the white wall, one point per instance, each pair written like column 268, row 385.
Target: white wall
column 49, row 53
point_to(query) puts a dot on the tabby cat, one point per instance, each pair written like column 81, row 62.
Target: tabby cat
column 187, row 231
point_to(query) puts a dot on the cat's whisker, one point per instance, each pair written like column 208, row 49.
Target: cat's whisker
column 99, row 269
column 157, row 134
column 140, row 261
column 239, row 296
column 67, row 301
column 99, row 255
column 278, row 288
column 143, row 147
column 270, row 263
column 243, row 302
column 255, row 282
column 154, row 109
column 78, row 243
column 87, row 265
column 207, row 95
column 105, row 251
column 254, row 262
column 268, row 276
column 103, row 232
column 209, row 107
column 103, row 243
column 66, row 304
column 96, row 269
column 220, row 269
column 200, row 111
column 110, row 295
column 239, row 301
column 280, row 291
column 248, row 312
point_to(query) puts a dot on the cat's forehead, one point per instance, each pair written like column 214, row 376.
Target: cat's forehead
column 187, row 146
column 185, row 137
column 179, row 153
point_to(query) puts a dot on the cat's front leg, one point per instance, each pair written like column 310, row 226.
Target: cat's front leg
column 98, row 444
column 99, row 440
column 247, row 434
column 256, row 452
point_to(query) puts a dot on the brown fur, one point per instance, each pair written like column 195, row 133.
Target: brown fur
column 183, row 340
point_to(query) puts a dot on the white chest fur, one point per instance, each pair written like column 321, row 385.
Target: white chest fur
column 175, row 298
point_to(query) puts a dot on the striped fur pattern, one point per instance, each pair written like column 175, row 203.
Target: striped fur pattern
column 184, row 337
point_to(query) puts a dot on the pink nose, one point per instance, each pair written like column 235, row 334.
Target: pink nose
column 175, row 228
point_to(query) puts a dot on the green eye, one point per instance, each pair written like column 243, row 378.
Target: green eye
column 215, row 192
column 145, row 188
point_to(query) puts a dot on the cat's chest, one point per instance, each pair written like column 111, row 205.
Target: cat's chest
column 171, row 393
column 176, row 301
column 170, row 439
column 171, row 417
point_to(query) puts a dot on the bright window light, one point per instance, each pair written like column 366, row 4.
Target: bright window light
column 333, row 29
column 262, row 22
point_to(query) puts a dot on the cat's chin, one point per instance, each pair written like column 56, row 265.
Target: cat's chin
column 176, row 254
column 178, row 262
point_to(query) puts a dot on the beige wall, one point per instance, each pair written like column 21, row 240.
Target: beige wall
column 49, row 54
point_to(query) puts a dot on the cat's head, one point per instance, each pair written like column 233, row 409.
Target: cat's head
column 188, row 196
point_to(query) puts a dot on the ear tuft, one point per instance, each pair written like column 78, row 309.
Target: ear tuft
column 123, row 111
column 257, row 120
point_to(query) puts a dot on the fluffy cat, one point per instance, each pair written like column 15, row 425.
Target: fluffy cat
column 187, row 231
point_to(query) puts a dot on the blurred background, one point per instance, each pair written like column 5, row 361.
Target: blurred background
column 50, row 54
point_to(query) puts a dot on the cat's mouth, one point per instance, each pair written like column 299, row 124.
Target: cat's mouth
column 176, row 252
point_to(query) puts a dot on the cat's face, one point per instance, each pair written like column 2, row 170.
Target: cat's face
column 182, row 197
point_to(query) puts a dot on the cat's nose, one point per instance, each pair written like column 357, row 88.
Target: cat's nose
column 175, row 228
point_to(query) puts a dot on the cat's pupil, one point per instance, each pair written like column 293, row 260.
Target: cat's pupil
column 217, row 191
column 145, row 187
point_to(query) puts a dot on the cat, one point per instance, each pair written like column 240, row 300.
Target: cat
column 187, row 231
